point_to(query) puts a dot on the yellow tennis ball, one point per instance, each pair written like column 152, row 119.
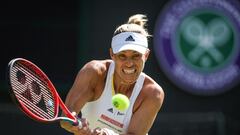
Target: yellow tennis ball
column 120, row 102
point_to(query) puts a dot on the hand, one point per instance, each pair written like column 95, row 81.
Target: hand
column 98, row 131
column 84, row 130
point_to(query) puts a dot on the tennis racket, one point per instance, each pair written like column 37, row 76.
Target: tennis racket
column 35, row 94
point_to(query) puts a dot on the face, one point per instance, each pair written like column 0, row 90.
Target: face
column 128, row 65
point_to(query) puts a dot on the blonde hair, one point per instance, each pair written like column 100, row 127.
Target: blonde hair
column 136, row 23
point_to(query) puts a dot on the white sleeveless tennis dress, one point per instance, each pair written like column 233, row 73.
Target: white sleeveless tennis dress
column 101, row 113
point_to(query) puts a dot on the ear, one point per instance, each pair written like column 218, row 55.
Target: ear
column 147, row 54
column 111, row 53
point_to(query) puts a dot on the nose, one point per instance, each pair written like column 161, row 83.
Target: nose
column 129, row 62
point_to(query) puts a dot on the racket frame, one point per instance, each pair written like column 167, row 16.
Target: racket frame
column 57, row 100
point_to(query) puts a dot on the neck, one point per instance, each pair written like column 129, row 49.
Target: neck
column 122, row 87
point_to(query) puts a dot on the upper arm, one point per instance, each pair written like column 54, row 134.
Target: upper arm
column 142, row 120
column 83, row 87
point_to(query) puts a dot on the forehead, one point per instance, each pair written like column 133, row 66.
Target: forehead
column 128, row 52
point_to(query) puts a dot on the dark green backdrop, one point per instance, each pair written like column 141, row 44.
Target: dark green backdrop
column 60, row 36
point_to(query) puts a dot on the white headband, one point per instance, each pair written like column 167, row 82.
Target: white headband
column 129, row 41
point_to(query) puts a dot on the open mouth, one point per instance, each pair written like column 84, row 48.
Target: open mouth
column 129, row 71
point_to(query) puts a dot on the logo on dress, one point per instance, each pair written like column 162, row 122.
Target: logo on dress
column 115, row 112
column 112, row 121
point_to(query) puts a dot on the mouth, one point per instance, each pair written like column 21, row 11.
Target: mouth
column 129, row 71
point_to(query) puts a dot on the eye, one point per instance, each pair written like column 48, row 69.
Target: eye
column 136, row 56
column 121, row 56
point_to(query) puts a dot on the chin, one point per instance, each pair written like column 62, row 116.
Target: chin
column 126, row 82
column 128, row 79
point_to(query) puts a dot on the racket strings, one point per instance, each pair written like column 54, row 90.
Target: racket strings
column 32, row 91
column 32, row 80
column 27, row 93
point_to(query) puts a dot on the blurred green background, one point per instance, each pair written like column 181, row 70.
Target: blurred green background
column 61, row 36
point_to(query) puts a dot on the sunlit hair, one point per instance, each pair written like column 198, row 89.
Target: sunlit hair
column 136, row 23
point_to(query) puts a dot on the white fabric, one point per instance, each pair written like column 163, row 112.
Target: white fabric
column 109, row 132
column 129, row 41
column 101, row 113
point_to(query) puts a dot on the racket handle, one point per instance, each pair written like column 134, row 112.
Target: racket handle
column 78, row 123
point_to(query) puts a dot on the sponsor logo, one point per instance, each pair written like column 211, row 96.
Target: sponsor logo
column 110, row 110
column 110, row 126
column 197, row 45
column 130, row 38
column 113, row 111
column 112, row 121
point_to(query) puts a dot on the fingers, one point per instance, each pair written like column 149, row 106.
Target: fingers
column 77, row 130
column 83, row 130
column 98, row 131
column 85, row 127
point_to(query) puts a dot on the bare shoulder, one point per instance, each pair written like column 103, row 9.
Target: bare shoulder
column 92, row 76
column 97, row 67
column 93, row 72
column 153, row 91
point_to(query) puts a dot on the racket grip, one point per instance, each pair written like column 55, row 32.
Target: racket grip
column 78, row 123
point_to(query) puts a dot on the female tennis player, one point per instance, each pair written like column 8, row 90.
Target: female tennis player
column 99, row 80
